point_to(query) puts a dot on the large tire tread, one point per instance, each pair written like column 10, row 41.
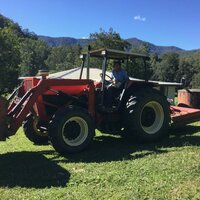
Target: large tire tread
column 133, row 110
column 58, row 120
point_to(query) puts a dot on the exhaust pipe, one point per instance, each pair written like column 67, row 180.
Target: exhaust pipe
column 3, row 118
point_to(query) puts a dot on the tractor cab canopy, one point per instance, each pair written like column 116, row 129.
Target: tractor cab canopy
column 115, row 54
column 107, row 54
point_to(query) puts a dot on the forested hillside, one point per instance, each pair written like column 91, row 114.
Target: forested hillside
column 22, row 53
column 135, row 42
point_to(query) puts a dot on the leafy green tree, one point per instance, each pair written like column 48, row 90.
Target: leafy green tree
column 189, row 67
column 20, row 53
column 185, row 70
column 110, row 40
column 106, row 39
column 136, row 67
column 63, row 58
column 33, row 55
column 196, row 81
column 9, row 59
column 142, row 49
column 166, row 69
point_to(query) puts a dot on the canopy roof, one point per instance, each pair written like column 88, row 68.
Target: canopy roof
column 115, row 54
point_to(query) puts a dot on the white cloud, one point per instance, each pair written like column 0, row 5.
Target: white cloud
column 139, row 18
column 85, row 38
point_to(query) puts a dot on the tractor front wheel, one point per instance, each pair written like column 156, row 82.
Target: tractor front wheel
column 147, row 115
column 35, row 133
column 71, row 130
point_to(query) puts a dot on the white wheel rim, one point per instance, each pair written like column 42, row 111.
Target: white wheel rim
column 81, row 135
column 157, row 116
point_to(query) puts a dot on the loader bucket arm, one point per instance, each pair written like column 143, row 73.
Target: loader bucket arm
column 18, row 113
column 12, row 116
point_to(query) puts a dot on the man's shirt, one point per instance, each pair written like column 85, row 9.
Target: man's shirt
column 120, row 75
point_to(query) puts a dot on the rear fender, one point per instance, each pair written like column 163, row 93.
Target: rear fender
column 132, row 87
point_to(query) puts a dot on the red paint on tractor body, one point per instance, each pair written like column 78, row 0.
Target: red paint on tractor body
column 33, row 91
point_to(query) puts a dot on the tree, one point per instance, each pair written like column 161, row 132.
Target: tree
column 136, row 67
column 9, row 59
column 20, row 53
column 166, row 69
column 110, row 40
column 33, row 54
column 185, row 70
column 196, row 81
column 63, row 58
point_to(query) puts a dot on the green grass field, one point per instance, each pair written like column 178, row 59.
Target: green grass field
column 111, row 168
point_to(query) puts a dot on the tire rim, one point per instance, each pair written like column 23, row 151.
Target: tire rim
column 75, row 131
column 152, row 117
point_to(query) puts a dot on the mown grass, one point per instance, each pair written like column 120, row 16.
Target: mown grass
column 111, row 168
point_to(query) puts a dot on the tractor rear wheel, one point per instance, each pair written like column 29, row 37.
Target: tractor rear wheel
column 71, row 130
column 33, row 132
column 147, row 115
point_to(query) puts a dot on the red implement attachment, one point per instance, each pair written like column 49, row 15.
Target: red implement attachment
column 182, row 116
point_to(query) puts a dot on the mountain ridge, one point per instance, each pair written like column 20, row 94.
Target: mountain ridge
column 135, row 42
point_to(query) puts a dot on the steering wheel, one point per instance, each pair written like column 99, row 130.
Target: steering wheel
column 106, row 75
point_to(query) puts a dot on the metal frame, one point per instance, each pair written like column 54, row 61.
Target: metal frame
column 109, row 54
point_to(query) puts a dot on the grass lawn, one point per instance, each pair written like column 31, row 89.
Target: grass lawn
column 111, row 168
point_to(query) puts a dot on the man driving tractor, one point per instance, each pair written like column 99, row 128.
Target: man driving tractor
column 118, row 79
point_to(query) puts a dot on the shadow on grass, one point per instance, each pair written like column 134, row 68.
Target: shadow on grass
column 31, row 170
column 108, row 148
column 34, row 170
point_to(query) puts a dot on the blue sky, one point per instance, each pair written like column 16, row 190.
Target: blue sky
column 162, row 22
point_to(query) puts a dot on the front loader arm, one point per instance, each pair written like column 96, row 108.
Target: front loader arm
column 19, row 112
column 11, row 117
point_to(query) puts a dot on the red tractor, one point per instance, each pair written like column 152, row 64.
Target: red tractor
column 66, row 112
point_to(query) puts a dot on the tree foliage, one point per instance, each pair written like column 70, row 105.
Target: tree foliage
column 185, row 70
column 196, row 81
column 33, row 55
column 21, row 53
column 167, row 68
column 110, row 40
column 136, row 67
column 63, row 58
column 9, row 59
column 107, row 39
